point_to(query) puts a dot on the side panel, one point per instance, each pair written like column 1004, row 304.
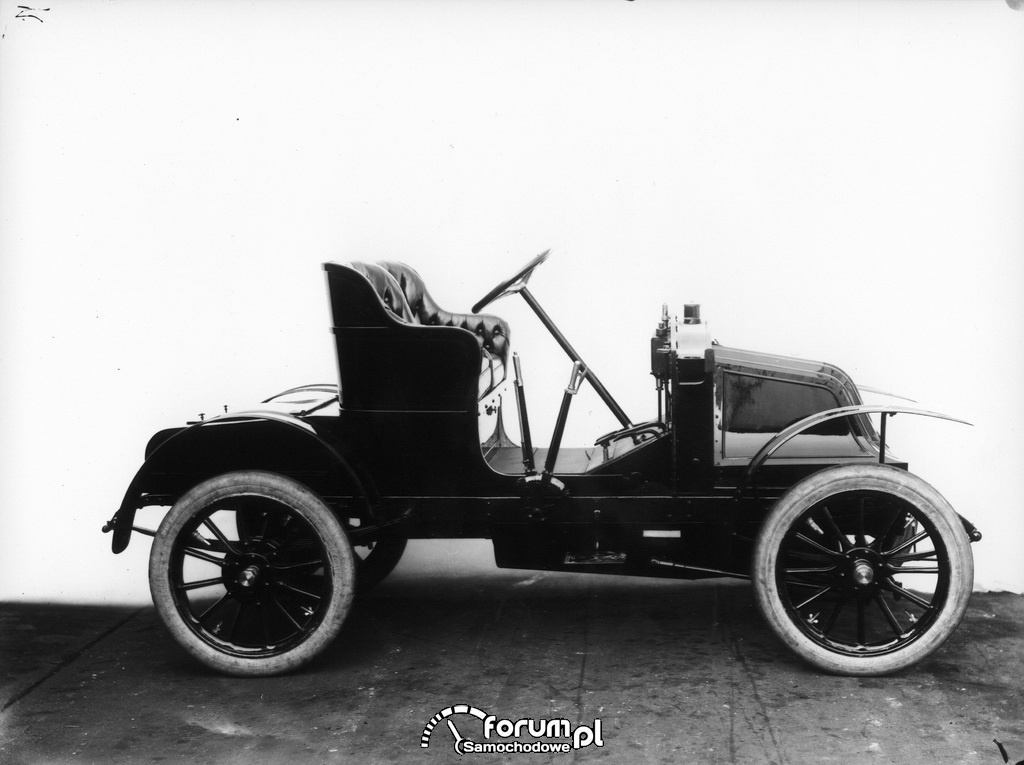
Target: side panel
column 758, row 395
column 634, row 535
column 387, row 364
column 408, row 368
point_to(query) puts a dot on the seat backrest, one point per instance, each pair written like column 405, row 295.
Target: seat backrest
column 387, row 288
column 491, row 331
column 403, row 296
column 423, row 308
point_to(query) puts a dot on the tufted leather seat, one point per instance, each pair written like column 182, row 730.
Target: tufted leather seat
column 402, row 290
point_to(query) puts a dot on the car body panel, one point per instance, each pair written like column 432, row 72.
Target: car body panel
column 401, row 443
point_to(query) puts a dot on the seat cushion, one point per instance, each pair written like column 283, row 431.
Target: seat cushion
column 388, row 289
column 404, row 293
column 491, row 331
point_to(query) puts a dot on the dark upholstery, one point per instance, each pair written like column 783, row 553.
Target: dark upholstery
column 402, row 290
column 387, row 287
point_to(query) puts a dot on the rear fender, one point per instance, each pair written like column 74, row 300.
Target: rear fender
column 257, row 440
column 798, row 427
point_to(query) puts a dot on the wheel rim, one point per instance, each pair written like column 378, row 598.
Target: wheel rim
column 250, row 577
column 863, row 573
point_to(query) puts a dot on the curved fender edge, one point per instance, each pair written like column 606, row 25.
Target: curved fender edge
column 972, row 531
column 798, row 427
column 193, row 443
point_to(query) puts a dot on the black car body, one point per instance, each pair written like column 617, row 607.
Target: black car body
column 755, row 466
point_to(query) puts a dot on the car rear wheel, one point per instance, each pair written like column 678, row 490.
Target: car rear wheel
column 252, row 573
column 863, row 569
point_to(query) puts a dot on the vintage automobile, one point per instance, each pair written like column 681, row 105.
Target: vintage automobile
column 754, row 465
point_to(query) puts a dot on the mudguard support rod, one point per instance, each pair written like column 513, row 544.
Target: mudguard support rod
column 881, row 437
column 575, row 356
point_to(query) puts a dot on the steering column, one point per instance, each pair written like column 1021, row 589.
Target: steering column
column 517, row 283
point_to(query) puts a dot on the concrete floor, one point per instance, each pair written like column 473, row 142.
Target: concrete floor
column 677, row 672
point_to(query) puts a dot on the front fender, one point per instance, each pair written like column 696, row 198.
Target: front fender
column 257, row 440
column 798, row 427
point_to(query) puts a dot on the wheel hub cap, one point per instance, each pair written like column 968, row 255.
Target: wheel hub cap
column 249, row 576
column 863, row 573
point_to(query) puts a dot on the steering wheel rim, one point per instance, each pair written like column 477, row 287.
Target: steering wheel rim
column 513, row 284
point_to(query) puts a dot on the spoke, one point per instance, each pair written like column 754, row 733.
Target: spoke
column 199, row 584
column 234, row 624
column 220, row 602
column 820, row 570
column 913, row 598
column 807, row 554
column 904, row 570
column 219, row 626
column 832, row 617
column 246, row 527
column 283, row 522
column 924, row 555
column 807, row 540
column 208, row 522
column 297, row 590
column 203, row 556
column 284, row 611
column 862, row 540
column 909, row 543
column 265, row 626
column 844, row 543
column 274, row 526
column 798, row 583
column 861, row 636
column 814, row 597
column 900, row 514
column 889, row 615
column 293, row 566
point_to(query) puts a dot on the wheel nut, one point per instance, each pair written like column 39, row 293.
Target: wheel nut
column 863, row 574
column 248, row 577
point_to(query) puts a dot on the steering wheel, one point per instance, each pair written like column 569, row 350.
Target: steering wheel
column 510, row 286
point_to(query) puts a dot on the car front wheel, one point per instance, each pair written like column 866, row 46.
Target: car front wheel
column 252, row 573
column 863, row 569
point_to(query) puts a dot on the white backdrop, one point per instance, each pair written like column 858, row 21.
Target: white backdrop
column 838, row 180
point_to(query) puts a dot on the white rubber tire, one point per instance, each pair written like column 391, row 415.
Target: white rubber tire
column 339, row 567
column 877, row 478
